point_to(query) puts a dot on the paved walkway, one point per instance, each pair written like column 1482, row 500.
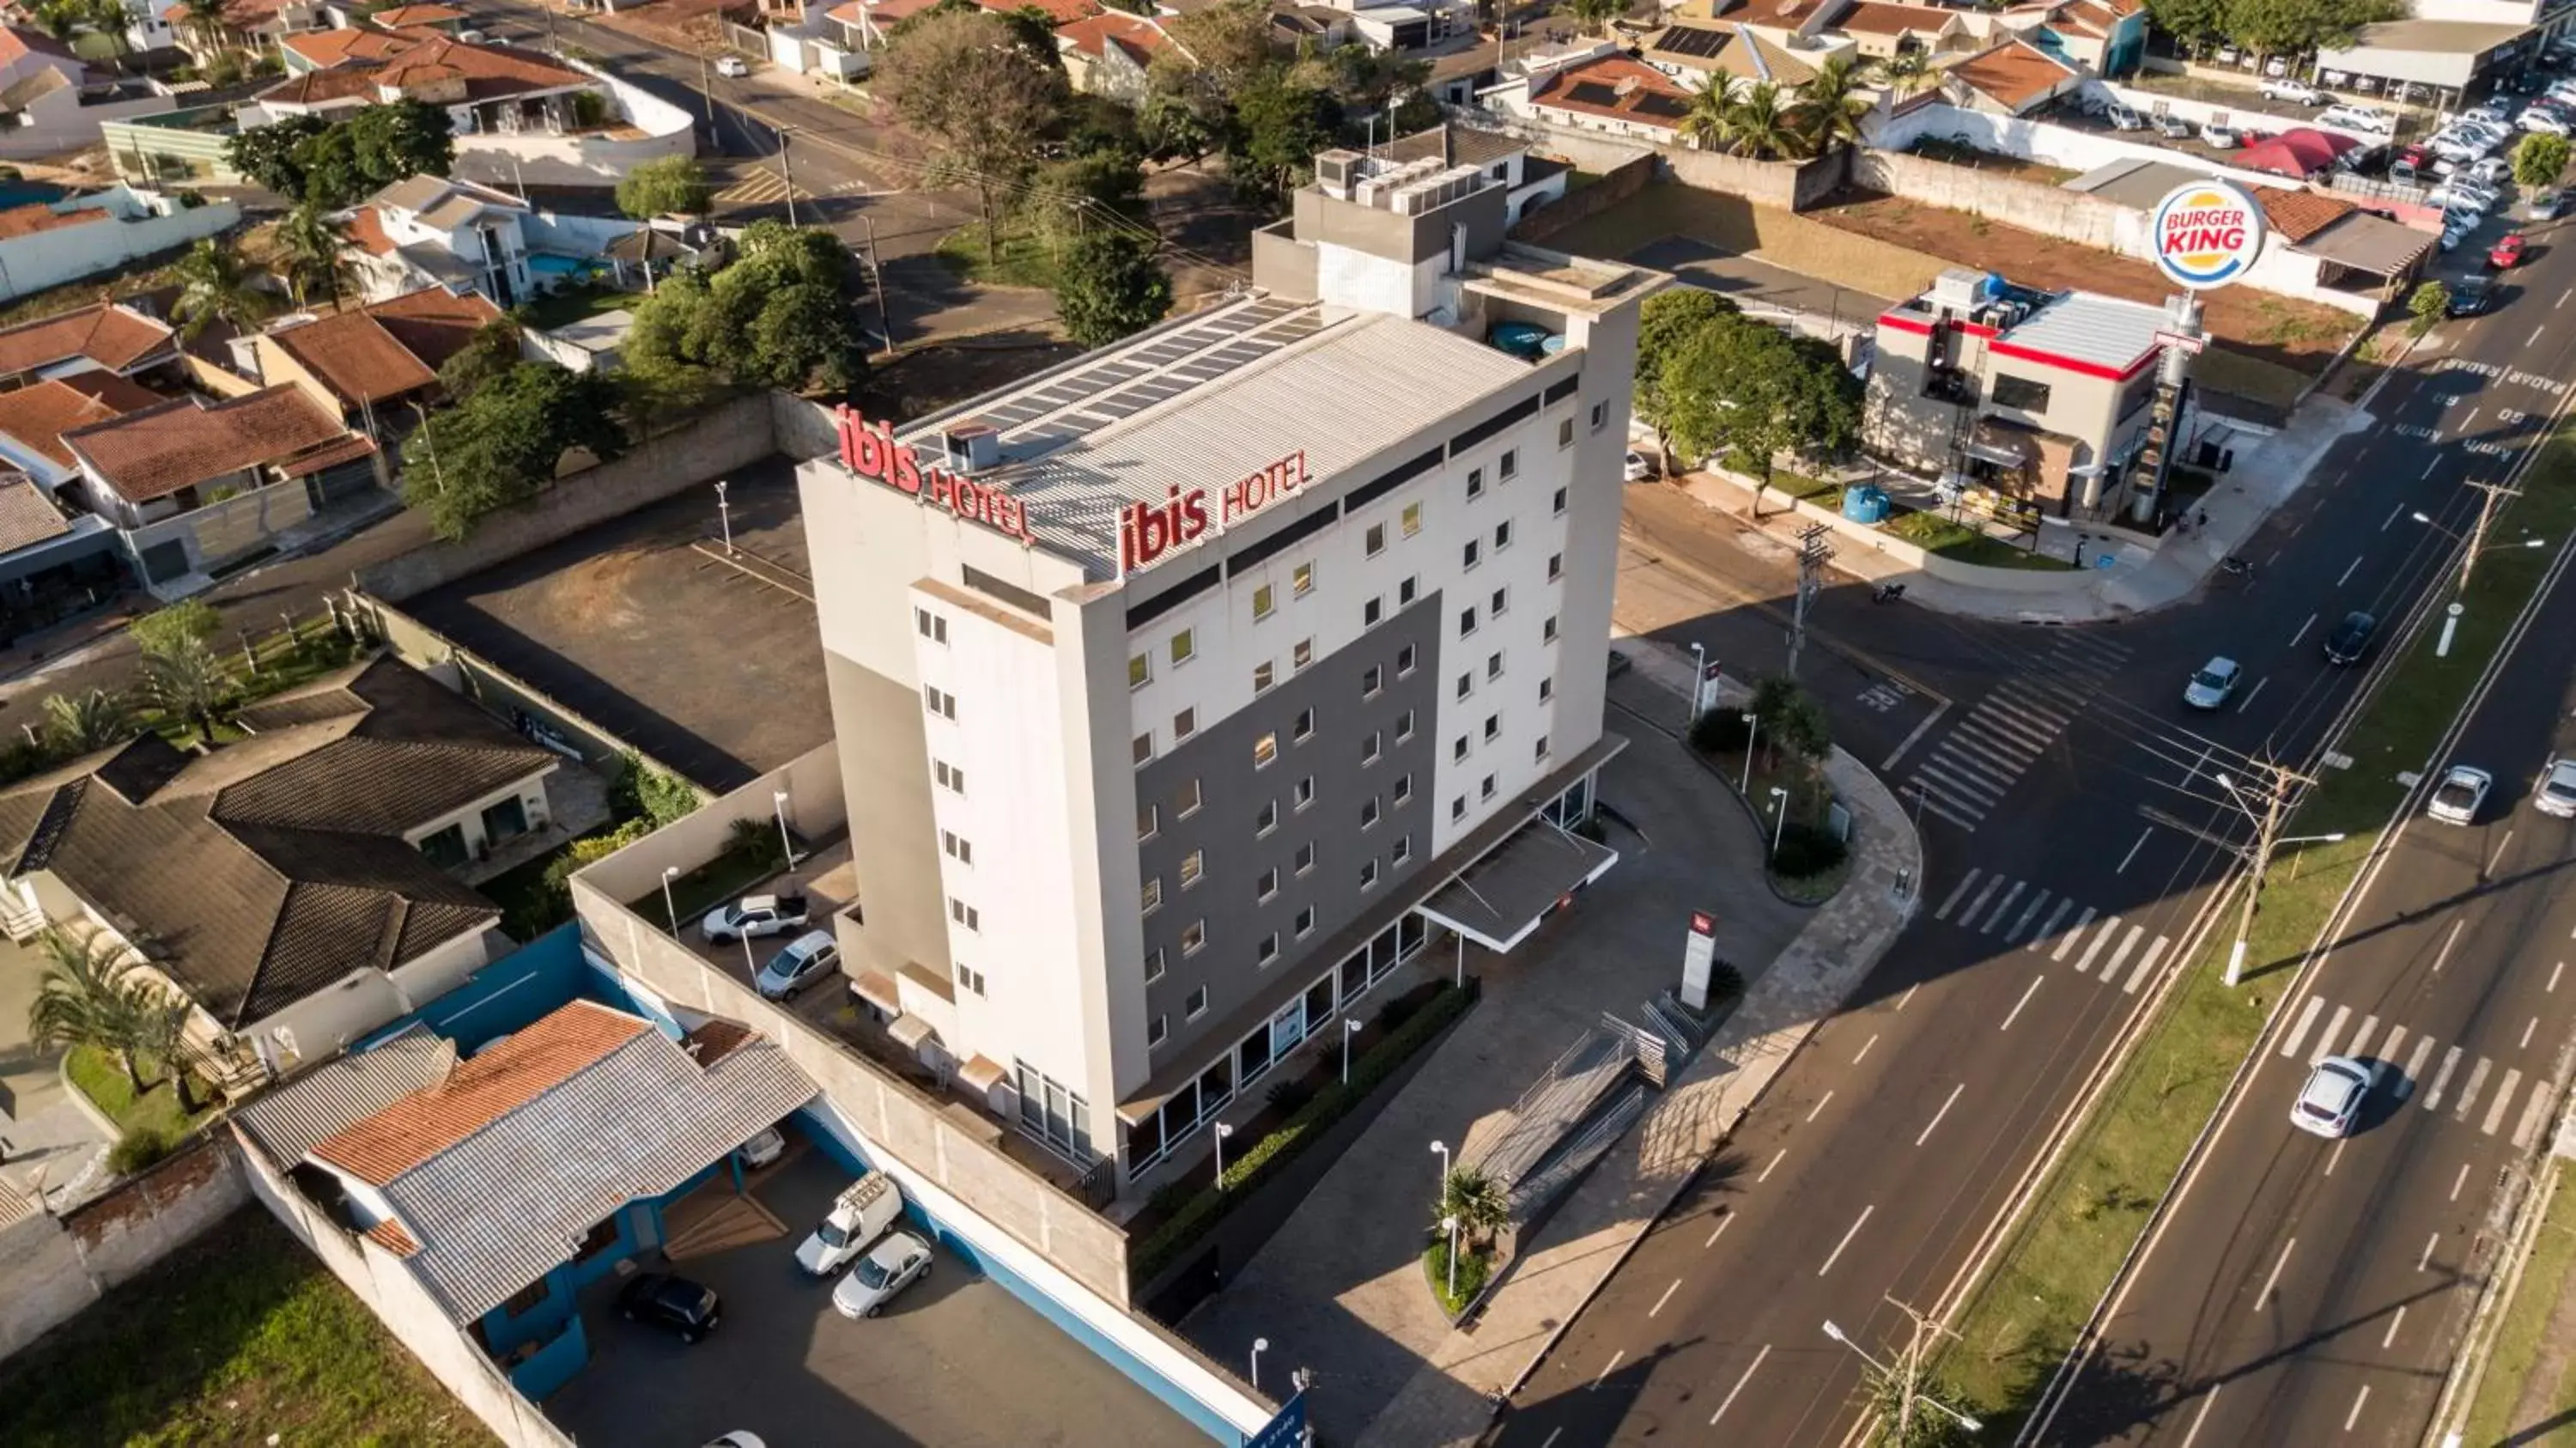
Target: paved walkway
column 46, row 1136
column 2144, row 574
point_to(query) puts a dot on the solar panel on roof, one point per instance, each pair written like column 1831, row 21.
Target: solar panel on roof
column 1660, row 105
column 1702, row 41
column 1592, row 93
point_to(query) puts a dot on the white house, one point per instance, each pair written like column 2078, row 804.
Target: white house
column 432, row 231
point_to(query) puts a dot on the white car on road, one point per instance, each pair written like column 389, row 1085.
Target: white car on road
column 2456, row 799
column 2296, row 92
column 733, row 66
column 898, row 1260
column 2331, row 1102
column 2556, row 792
column 2210, row 688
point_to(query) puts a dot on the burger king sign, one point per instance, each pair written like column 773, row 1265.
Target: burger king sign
column 2207, row 233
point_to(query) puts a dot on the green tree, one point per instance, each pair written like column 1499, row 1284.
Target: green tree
column 1110, row 285
column 1764, row 125
column 1740, row 386
column 982, row 101
column 190, row 684
column 91, row 995
column 1594, row 15
column 1790, row 718
column 1664, row 325
column 2428, row 305
column 804, row 338
column 329, row 161
column 1831, row 107
column 216, row 285
column 492, row 351
column 315, row 252
column 503, row 444
column 2196, row 23
column 91, row 720
column 108, row 19
column 2539, row 159
column 1479, row 1203
column 172, row 628
column 1908, row 70
column 267, row 154
column 1280, row 125
column 669, row 186
column 404, row 138
column 642, row 792
column 1708, row 122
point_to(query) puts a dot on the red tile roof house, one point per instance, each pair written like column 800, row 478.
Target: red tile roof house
column 108, row 337
column 1106, row 54
column 370, row 365
column 501, row 1186
column 295, row 887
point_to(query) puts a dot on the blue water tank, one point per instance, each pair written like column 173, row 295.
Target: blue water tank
column 1521, row 339
column 1865, row 503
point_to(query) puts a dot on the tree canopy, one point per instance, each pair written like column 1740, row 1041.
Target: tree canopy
column 666, row 186
column 780, row 315
column 1735, row 385
column 1109, row 285
column 503, row 444
column 339, row 163
column 2539, row 159
column 961, row 79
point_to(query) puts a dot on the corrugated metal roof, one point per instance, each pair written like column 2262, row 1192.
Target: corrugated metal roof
column 293, row 1119
column 2087, row 327
column 1200, row 406
column 496, row 1209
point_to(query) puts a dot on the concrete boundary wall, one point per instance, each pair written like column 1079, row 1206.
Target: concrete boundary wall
column 1790, row 186
column 54, row 1267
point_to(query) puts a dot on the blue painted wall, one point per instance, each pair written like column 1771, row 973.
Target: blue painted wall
column 553, row 1366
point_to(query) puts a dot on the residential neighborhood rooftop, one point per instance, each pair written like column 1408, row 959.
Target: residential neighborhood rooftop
column 327, row 48
column 109, row 334
column 288, row 1123
column 385, row 349
column 1618, row 87
column 185, row 441
column 37, row 415
column 2012, row 73
column 27, row 516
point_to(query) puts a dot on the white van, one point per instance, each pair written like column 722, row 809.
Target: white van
column 860, row 1214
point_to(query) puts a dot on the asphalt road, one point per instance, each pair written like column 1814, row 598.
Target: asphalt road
column 2315, row 1291
column 2072, row 823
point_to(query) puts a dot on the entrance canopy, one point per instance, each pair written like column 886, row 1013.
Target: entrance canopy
column 1499, row 900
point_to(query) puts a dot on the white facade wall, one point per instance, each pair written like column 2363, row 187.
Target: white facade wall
column 144, row 223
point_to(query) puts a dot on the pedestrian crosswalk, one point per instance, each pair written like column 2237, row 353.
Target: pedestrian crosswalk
column 1965, row 774
column 2057, row 927
column 762, row 188
column 2517, row 1107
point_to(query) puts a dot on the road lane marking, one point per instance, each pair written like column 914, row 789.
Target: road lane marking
column 2326, row 1037
column 1919, row 731
column 2001, row 910
column 1775, row 1162
column 1970, row 914
column 2532, row 1026
column 2146, row 963
column 2030, row 913
column 2335, row 1155
column 2312, row 618
column 2274, row 1280
column 2073, row 933
column 2388, row 1049
column 1607, row 1369
column 2208, row 1401
column 2536, row 331
column 1864, row 1049
column 1946, row 1103
column 1667, row 1297
column 2553, row 976
column 2527, row 1130
column 2499, row 853
column 1552, row 1435
column 2101, row 937
column 1729, row 1400
column 1820, row 1105
column 2415, row 1068
column 2469, row 1093
column 2425, row 1262
column 2464, row 422
column 2360, row 1043
column 2503, row 1102
column 1847, row 1238
column 2299, row 1028
column 1907, row 999
column 1722, row 1224
column 2128, row 943
column 2250, row 693
column 2447, row 942
column 2357, row 1400
column 2027, row 992
column 2133, row 849
column 1944, row 912
column 2431, row 468
column 2349, row 570
column 2400, row 510
column 2450, row 1059
column 2459, row 1181
column 2050, row 929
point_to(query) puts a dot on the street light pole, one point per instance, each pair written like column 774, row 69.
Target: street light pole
column 1908, row 1375
column 1221, row 1132
column 1441, row 1150
column 724, row 515
column 876, row 284
column 1780, row 824
column 786, row 843
column 2267, row 830
column 1752, row 732
column 1260, row 1345
column 1449, row 1224
column 669, row 909
column 1350, row 1028
column 1699, row 671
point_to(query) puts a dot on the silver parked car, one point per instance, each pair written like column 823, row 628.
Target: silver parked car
column 898, row 1260
column 2210, row 688
column 2456, row 799
column 2555, row 794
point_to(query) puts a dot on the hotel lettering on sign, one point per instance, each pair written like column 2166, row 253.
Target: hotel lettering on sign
column 1147, row 531
column 869, row 450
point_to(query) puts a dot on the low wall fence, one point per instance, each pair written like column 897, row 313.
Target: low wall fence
column 55, row 1266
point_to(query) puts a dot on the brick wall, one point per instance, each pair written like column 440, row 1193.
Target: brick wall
column 52, row 1267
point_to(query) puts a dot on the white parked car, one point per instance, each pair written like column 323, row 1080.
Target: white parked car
column 2210, row 688
column 2222, row 138
column 2491, row 172
column 754, row 916
column 2296, row 92
column 2555, row 794
column 1637, row 468
column 2541, row 119
column 734, row 66
column 897, row 1261
column 863, row 1212
column 762, row 1149
column 2331, row 1101
column 2458, row 195
column 2462, row 791
column 2122, row 118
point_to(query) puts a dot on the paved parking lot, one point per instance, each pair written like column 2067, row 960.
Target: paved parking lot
column 712, row 666
column 956, row 1361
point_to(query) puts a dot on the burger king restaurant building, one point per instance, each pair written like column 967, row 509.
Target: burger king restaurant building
column 1187, row 689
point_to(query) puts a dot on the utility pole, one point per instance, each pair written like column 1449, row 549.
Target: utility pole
column 786, row 175
column 1905, row 1375
column 876, row 284
column 1812, row 553
column 2267, row 836
column 2492, row 493
column 707, row 93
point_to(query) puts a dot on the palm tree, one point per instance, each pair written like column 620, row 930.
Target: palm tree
column 1907, row 71
column 201, row 18
column 109, row 18
column 1830, row 107
column 1761, row 125
column 1597, row 13
column 188, row 683
column 1705, row 124
column 90, row 721
column 90, row 996
column 165, row 1038
column 313, row 248
column 215, row 284
column 1479, row 1203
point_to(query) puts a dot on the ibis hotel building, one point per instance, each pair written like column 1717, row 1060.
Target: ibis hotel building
column 1186, row 689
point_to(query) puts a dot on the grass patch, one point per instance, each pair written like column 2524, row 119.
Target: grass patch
column 1024, row 261
column 1474, row 1266
column 96, row 1075
column 241, row 1337
column 561, row 308
column 2087, row 1214
column 1962, row 543
column 2514, row 1355
column 721, row 879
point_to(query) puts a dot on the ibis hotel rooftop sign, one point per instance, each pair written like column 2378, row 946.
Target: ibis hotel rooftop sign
column 2207, row 233
column 869, row 450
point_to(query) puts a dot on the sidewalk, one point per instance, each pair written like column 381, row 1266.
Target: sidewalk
column 1453, row 1399
column 2142, row 575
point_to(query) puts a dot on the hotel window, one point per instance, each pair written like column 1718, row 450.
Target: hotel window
column 1194, row 1005
column 1305, row 726
column 1368, row 874
column 1502, row 535
column 1369, row 814
column 1556, row 504
column 1140, row 671
column 1304, row 794
column 1269, row 949
column 965, row 914
column 1406, row 591
column 1302, row 581
column 1305, row 922
column 1372, row 680
column 1149, row 821
column 1264, row 674
column 1265, row 750
column 1458, row 748
column 1600, row 416
column 1412, row 519
column 1511, row 465
column 1183, row 646
column 950, row 777
column 1369, row 749
column 932, row 626
column 1499, row 603
column 1555, row 567
column 1565, row 432
column 942, row 704
column 1493, row 727
column 1475, row 483
column 1471, row 555
column 1403, row 848
column 1547, row 630
column 1494, row 665
column 1267, row 885
column 1264, row 599
column 1193, row 868
column 1404, row 726
column 958, row 847
column 1466, row 622
column 1458, row 808
column 1486, row 790
column 1154, row 965
column 1371, row 612
column 1404, row 661
column 1302, row 655
column 1151, row 896
column 1305, row 857
column 1403, row 788
column 1189, row 799
column 1156, row 1030
column 1541, row 751
column 1466, row 684
column 1546, row 689
column 1376, row 539
column 1267, row 819
column 972, row 979
column 1145, row 746
column 1184, row 724
column 1194, row 935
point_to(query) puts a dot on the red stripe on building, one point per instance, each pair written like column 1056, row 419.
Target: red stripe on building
column 2070, row 364
column 1904, row 324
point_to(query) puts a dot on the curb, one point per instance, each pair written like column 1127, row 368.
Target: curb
column 81, row 1102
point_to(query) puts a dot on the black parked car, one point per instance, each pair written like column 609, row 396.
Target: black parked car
column 2351, row 638
column 2471, row 296
column 675, row 1304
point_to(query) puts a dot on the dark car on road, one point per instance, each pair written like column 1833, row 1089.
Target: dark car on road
column 2471, row 296
column 2351, row 638
column 677, row 1305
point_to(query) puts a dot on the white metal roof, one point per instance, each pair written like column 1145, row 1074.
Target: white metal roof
column 2090, row 327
